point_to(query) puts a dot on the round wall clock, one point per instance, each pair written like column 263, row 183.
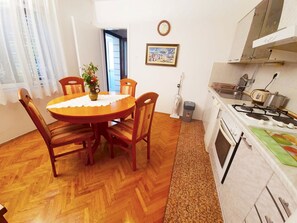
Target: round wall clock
column 163, row 27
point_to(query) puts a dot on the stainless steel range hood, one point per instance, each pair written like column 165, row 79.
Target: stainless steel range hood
column 284, row 39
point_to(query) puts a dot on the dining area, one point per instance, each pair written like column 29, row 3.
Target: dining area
column 92, row 159
column 117, row 116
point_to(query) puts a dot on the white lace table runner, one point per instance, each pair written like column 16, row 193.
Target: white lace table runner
column 85, row 101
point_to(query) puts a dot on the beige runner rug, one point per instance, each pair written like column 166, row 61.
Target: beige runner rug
column 192, row 195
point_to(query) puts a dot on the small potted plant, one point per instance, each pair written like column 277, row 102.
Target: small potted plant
column 91, row 80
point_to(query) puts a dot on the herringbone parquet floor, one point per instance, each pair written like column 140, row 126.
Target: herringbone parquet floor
column 108, row 191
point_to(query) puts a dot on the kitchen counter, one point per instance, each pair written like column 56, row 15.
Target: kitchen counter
column 287, row 174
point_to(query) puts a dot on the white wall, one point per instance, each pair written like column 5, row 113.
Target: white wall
column 82, row 10
column 204, row 30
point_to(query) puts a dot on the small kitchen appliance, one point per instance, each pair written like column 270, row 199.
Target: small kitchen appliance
column 259, row 96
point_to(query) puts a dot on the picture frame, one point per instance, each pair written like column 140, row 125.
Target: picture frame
column 161, row 54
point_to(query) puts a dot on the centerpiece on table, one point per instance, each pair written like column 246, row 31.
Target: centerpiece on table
column 91, row 80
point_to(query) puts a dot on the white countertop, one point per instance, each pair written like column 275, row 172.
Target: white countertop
column 287, row 174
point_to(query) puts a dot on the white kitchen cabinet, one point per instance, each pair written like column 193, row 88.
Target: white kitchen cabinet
column 267, row 209
column 210, row 119
column 275, row 204
column 208, row 106
column 248, row 29
column 241, row 36
column 247, row 176
column 253, row 217
column 261, row 21
column 282, row 197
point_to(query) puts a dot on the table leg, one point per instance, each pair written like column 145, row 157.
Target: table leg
column 99, row 129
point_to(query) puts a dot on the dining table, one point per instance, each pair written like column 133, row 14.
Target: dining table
column 78, row 108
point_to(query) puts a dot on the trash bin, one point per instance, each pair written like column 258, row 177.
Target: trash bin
column 189, row 107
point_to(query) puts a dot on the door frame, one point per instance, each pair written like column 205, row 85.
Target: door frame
column 122, row 53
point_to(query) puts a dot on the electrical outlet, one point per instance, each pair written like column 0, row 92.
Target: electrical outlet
column 278, row 73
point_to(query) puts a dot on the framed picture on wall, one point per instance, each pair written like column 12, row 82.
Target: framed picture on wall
column 161, row 54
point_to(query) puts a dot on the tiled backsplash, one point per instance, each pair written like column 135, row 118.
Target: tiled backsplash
column 285, row 84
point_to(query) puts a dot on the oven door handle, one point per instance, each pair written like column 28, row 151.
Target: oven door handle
column 226, row 133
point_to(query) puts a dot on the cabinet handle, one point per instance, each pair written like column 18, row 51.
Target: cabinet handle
column 268, row 220
column 246, row 142
column 285, row 206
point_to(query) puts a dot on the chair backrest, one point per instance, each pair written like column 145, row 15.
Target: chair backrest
column 144, row 112
column 34, row 114
column 128, row 86
column 72, row 85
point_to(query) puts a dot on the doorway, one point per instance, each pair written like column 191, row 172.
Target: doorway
column 115, row 42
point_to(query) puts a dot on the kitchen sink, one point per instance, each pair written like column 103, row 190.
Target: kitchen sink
column 236, row 95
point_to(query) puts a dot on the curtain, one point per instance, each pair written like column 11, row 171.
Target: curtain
column 31, row 54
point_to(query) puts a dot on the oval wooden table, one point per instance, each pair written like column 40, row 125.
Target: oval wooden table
column 98, row 116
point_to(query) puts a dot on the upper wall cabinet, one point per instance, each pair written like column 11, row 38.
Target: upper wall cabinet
column 261, row 21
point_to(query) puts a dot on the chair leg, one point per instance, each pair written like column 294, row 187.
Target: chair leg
column 52, row 158
column 133, row 149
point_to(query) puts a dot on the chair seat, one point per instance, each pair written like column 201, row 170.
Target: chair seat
column 123, row 129
column 70, row 133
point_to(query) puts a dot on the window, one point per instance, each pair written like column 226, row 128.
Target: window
column 32, row 55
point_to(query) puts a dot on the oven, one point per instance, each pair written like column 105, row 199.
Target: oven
column 225, row 145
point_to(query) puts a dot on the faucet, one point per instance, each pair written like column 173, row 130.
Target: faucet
column 243, row 83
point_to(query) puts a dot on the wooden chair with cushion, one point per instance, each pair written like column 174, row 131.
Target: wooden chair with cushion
column 129, row 132
column 58, row 136
column 128, row 86
column 72, row 85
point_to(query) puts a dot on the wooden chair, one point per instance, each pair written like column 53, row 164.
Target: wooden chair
column 58, row 136
column 128, row 86
column 128, row 132
column 72, row 85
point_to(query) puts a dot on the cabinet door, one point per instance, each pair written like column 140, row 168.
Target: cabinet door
column 247, row 176
column 270, row 25
column 267, row 209
column 282, row 197
column 240, row 38
column 256, row 26
column 253, row 217
column 208, row 106
column 211, row 122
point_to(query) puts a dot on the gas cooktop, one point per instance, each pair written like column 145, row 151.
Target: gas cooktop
column 264, row 117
